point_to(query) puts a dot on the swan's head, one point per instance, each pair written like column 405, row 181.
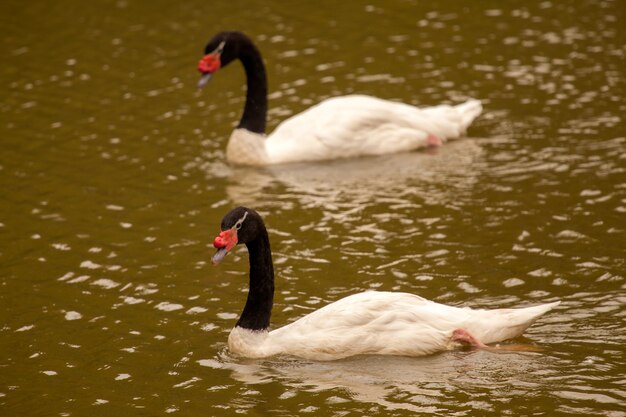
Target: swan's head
column 221, row 50
column 240, row 225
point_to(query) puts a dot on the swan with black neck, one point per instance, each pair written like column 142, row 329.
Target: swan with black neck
column 371, row 322
column 339, row 127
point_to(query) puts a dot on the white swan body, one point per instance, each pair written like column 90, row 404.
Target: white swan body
column 387, row 323
column 350, row 126
column 341, row 127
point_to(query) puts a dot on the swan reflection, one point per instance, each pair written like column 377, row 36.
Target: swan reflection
column 440, row 175
column 415, row 384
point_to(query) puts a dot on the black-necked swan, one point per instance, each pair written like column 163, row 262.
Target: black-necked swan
column 371, row 322
column 339, row 127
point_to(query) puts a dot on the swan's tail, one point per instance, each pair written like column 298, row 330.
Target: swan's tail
column 492, row 326
column 469, row 110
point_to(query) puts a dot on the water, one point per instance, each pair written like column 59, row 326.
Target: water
column 114, row 183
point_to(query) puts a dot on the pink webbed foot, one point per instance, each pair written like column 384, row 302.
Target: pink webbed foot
column 433, row 140
column 465, row 337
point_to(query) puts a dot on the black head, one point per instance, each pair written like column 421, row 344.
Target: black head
column 250, row 223
column 240, row 225
column 231, row 43
column 221, row 50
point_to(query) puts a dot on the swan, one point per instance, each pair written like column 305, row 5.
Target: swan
column 339, row 127
column 371, row 322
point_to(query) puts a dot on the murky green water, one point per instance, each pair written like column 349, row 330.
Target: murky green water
column 113, row 184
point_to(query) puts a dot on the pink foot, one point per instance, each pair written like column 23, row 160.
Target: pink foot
column 433, row 140
column 465, row 337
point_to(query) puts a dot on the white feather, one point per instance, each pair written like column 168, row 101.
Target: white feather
column 388, row 323
column 350, row 126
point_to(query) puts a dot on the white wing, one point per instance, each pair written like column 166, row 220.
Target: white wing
column 393, row 324
column 348, row 126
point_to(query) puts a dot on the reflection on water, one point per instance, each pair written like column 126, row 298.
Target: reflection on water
column 412, row 384
column 114, row 182
column 357, row 182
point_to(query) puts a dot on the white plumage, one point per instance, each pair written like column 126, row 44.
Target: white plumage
column 350, row 126
column 340, row 127
column 387, row 323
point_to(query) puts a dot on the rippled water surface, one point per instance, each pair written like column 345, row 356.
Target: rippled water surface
column 113, row 184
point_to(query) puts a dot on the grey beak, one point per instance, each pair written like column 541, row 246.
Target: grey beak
column 204, row 80
column 219, row 255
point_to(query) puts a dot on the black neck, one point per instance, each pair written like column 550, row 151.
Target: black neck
column 255, row 111
column 256, row 314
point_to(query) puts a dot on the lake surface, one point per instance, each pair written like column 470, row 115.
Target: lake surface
column 113, row 183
